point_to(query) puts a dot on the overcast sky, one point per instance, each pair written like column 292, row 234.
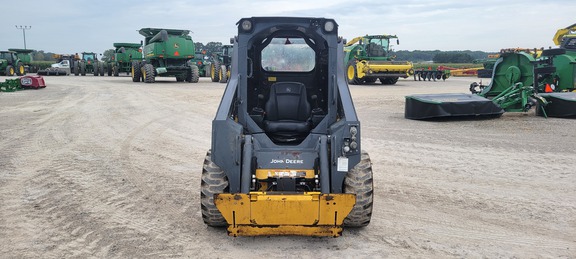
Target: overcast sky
column 73, row 26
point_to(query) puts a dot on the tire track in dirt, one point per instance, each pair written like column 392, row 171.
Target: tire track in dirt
column 437, row 178
column 84, row 214
column 136, row 174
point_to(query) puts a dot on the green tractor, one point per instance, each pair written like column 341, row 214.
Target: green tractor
column 124, row 54
column 367, row 59
column 25, row 55
column 220, row 67
column 89, row 64
column 202, row 62
column 167, row 53
column 10, row 64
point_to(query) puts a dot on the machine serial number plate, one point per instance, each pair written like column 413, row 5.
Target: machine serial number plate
column 342, row 164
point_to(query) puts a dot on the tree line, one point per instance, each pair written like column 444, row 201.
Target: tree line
column 435, row 56
column 438, row 56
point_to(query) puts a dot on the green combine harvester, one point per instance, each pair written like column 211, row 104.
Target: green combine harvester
column 167, row 53
column 367, row 59
column 521, row 79
column 124, row 54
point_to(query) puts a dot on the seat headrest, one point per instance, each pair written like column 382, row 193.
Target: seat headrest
column 288, row 87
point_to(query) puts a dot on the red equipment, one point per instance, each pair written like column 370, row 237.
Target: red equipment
column 32, row 82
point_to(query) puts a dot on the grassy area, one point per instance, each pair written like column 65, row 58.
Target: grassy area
column 42, row 64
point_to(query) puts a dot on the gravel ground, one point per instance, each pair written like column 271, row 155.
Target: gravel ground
column 104, row 167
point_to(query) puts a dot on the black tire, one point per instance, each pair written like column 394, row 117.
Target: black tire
column 370, row 80
column 136, row 72
column 213, row 181
column 193, row 74
column 148, row 73
column 388, row 80
column 95, row 69
column 83, row 68
column 109, row 69
column 204, row 70
column 20, row 69
column 215, row 71
column 76, row 68
column 115, row 70
column 359, row 181
column 9, row 70
column 485, row 73
column 180, row 78
column 223, row 74
column 102, row 68
column 438, row 75
column 352, row 73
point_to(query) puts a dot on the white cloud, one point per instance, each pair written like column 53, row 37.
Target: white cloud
column 73, row 26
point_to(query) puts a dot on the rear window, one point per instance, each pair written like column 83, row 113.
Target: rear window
column 288, row 55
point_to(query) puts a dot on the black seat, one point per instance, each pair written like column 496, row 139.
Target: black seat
column 287, row 110
column 375, row 50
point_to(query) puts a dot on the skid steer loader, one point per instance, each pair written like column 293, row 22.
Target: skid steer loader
column 286, row 154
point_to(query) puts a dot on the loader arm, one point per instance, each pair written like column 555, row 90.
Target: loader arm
column 353, row 41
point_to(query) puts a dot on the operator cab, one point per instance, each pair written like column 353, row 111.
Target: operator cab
column 8, row 55
column 287, row 87
column 377, row 47
column 88, row 56
column 569, row 42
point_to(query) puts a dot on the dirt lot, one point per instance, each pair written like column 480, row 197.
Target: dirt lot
column 103, row 167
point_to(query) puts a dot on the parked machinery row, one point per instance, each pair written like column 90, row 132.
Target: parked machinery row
column 86, row 63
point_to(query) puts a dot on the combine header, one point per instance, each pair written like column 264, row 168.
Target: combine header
column 30, row 82
column 522, row 79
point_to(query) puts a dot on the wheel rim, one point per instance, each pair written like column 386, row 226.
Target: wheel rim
column 11, row 71
column 144, row 74
column 351, row 73
column 21, row 70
